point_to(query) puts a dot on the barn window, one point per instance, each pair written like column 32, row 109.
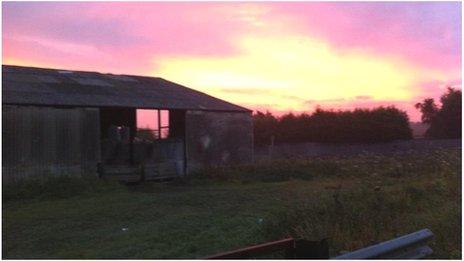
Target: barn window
column 152, row 124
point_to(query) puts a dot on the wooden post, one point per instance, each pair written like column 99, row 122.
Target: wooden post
column 271, row 147
column 132, row 133
column 159, row 124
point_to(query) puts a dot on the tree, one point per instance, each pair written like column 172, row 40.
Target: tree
column 264, row 127
column 428, row 108
column 445, row 122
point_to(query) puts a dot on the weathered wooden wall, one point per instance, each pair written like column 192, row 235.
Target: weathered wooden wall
column 218, row 138
column 161, row 158
column 44, row 141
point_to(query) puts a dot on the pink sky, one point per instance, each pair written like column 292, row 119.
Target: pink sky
column 262, row 55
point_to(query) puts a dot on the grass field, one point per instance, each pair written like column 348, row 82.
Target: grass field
column 353, row 201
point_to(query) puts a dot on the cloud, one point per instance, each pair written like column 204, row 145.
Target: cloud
column 67, row 22
column 292, row 97
column 363, row 97
column 312, row 102
column 244, row 90
column 262, row 53
column 426, row 33
column 156, row 28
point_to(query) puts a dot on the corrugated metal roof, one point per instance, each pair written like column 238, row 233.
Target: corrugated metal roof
column 38, row 86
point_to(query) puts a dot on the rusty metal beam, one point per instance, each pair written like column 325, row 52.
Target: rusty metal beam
column 256, row 249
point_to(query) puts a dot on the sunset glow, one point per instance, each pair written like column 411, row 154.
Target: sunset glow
column 265, row 56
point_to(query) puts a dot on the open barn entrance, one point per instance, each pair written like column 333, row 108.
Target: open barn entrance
column 152, row 124
column 140, row 139
column 118, row 127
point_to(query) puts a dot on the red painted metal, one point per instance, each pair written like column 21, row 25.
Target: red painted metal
column 287, row 243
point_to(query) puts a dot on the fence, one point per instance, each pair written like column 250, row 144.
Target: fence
column 411, row 246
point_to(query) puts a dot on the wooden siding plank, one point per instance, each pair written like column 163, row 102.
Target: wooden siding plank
column 49, row 141
column 90, row 133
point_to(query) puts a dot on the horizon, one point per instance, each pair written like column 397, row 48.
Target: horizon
column 266, row 56
column 152, row 112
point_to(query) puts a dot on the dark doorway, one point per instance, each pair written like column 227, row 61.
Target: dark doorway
column 151, row 139
column 118, row 128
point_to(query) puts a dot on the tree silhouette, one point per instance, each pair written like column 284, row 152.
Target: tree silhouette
column 264, row 127
column 428, row 108
column 445, row 122
column 359, row 126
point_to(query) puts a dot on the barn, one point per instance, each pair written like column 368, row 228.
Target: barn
column 61, row 122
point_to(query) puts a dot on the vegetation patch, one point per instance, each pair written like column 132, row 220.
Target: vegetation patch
column 352, row 201
column 56, row 187
column 381, row 124
column 404, row 165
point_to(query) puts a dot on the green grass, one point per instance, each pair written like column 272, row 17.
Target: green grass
column 353, row 201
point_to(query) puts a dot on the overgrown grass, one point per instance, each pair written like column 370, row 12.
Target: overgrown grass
column 56, row 187
column 353, row 201
column 365, row 216
column 404, row 165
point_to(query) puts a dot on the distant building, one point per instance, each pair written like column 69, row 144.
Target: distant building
column 59, row 122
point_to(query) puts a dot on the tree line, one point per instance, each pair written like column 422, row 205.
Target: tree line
column 381, row 124
column 328, row 126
